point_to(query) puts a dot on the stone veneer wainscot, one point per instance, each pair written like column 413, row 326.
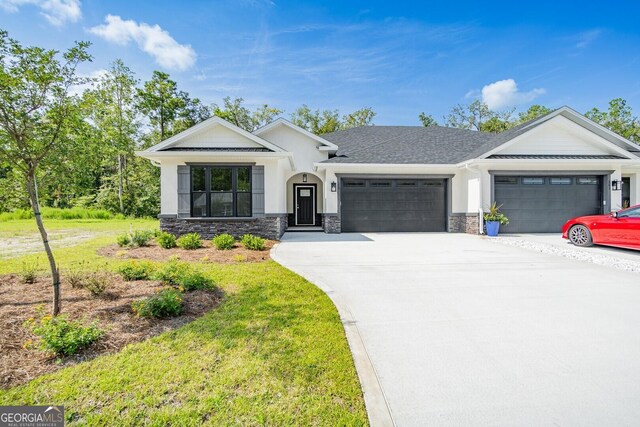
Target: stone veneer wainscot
column 269, row 227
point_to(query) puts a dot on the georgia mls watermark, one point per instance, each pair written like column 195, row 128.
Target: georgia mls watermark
column 31, row 416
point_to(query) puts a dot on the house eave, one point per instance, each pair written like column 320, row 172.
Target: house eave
column 152, row 155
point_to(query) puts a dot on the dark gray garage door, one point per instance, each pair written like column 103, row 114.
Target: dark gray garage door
column 393, row 205
column 542, row 204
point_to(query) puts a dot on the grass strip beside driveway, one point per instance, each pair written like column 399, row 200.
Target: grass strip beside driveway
column 273, row 353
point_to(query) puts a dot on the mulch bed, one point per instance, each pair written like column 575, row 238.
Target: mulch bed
column 208, row 253
column 18, row 302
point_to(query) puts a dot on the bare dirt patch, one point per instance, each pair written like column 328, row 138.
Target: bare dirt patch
column 18, row 302
column 15, row 246
column 208, row 253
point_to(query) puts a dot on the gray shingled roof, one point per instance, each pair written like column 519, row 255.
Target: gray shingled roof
column 417, row 144
column 406, row 144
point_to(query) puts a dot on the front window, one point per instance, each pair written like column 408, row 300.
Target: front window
column 220, row 191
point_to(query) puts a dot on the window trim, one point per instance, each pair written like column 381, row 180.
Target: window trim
column 209, row 192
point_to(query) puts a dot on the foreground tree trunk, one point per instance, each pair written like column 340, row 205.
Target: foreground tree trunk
column 32, row 188
column 120, row 182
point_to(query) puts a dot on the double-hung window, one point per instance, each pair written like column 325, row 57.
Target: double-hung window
column 220, row 191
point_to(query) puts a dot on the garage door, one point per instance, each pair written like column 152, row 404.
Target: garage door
column 393, row 205
column 542, row 204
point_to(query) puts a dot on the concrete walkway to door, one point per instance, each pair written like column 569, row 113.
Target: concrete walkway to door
column 463, row 331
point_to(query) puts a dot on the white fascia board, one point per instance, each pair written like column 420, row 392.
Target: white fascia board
column 383, row 165
column 284, row 122
column 209, row 122
column 569, row 162
column 181, row 154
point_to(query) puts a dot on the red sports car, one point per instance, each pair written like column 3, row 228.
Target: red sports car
column 621, row 229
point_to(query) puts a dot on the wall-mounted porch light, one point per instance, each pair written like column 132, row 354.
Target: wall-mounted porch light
column 333, row 186
column 304, row 177
column 616, row 184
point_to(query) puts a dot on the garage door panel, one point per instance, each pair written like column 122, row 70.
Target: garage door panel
column 545, row 207
column 393, row 205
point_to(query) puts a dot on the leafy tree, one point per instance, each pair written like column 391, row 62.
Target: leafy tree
column 115, row 117
column 427, row 120
column 234, row 112
column 325, row 121
column 618, row 118
column 318, row 122
column 161, row 102
column 36, row 113
column 478, row 116
column 533, row 112
column 361, row 117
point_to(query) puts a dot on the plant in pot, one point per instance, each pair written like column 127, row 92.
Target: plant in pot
column 493, row 218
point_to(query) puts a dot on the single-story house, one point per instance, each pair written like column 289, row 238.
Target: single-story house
column 217, row 178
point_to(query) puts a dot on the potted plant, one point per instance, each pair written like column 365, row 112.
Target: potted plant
column 493, row 219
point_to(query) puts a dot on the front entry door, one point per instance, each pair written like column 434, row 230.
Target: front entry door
column 305, row 205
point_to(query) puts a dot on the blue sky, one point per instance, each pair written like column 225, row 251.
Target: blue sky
column 400, row 58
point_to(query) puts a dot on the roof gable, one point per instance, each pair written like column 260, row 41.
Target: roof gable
column 558, row 136
column 597, row 134
column 280, row 122
column 215, row 133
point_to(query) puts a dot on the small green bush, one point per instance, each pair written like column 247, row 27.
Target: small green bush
column 137, row 270
column 96, row 283
column 62, row 336
column 171, row 272
column 141, row 238
column 75, row 278
column 166, row 240
column 190, row 241
column 195, row 280
column 166, row 303
column 252, row 242
column 224, row 241
column 123, row 239
column 29, row 271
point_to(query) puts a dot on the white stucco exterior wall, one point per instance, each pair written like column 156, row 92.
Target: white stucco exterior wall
column 169, row 187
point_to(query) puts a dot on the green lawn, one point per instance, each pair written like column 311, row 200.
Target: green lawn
column 273, row 353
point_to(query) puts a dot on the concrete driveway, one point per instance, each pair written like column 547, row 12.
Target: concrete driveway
column 460, row 330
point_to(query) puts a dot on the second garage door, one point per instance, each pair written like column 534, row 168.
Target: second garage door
column 542, row 204
column 393, row 205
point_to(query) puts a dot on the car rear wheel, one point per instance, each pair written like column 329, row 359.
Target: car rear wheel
column 580, row 235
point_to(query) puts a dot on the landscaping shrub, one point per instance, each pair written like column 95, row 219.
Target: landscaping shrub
column 190, row 241
column 96, row 283
column 224, row 241
column 137, row 270
column 62, row 336
column 75, row 278
column 166, row 240
column 252, row 242
column 29, row 271
column 135, row 239
column 171, row 272
column 195, row 280
column 166, row 303
column 141, row 238
column 123, row 239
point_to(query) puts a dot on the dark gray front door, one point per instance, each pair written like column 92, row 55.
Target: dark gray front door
column 305, row 205
column 542, row 204
column 393, row 205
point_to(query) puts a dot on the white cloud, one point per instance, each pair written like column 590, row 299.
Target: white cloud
column 505, row 93
column 586, row 38
column 150, row 38
column 57, row 12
